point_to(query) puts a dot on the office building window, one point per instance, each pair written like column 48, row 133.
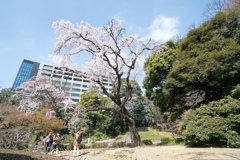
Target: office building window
column 86, row 81
column 68, row 78
column 75, row 100
column 65, row 88
column 75, row 95
column 57, row 68
column 76, row 85
column 46, row 70
column 85, row 86
column 56, row 82
column 77, row 76
column 58, row 72
column 66, row 84
column 48, row 67
column 76, row 79
column 67, row 73
column 76, row 89
column 57, row 76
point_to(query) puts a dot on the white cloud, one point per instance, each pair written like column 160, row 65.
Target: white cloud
column 163, row 28
column 117, row 18
column 55, row 59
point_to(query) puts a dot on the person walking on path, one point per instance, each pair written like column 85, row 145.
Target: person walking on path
column 56, row 141
column 77, row 142
column 62, row 138
column 44, row 141
column 47, row 144
column 36, row 143
column 51, row 141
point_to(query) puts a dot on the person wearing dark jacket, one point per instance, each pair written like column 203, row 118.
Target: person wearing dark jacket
column 62, row 138
column 36, row 143
column 51, row 141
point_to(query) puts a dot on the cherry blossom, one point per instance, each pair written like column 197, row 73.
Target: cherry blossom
column 114, row 56
column 38, row 93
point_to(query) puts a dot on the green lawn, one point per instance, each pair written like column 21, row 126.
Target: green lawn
column 153, row 134
column 149, row 133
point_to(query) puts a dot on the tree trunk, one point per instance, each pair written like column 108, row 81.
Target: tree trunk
column 135, row 138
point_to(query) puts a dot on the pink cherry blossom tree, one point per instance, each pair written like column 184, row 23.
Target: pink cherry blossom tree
column 114, row 56
column 40, row 92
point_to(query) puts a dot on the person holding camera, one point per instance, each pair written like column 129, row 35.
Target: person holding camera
column 56, row 141
column 77, row 142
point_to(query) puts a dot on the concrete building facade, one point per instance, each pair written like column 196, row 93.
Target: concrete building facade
column 73, row 84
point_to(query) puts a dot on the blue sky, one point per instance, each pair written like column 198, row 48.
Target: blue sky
column 26, row 33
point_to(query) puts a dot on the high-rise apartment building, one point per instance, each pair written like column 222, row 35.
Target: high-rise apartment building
column 73, row 84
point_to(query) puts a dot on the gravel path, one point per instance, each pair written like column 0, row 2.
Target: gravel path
column 158, row 153
column 82, row 156
column 138, row 153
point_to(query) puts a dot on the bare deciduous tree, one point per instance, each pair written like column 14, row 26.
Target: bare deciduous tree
column 213, row 7
column 14, row 138
column 220, row 5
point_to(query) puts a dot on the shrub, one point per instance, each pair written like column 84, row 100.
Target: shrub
column 100, row 145
column 69, row 138
column 176, row 141
column 118, row 144
column 147, row 141
column 120, row 137
column 62, row 147
column 216, row 123
column 179, row 141
column 82, row 146
column 99, row 136
column 164, row 141
column 22, row 145
column 69, row 147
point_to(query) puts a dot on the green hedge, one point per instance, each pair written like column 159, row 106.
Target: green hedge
column 147, row 141
column 164, row 141
column 216, row 123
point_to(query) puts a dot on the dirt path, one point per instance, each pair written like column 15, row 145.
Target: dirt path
column 158, row 153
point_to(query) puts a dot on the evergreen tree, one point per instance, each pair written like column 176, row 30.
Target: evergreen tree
column 206, row 67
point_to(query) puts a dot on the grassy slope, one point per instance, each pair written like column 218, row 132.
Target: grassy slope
column 149, row 133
